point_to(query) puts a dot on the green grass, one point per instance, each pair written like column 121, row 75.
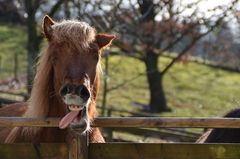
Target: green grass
column 12, row 41
column 191, row 89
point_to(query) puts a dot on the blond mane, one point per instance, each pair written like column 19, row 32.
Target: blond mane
column 39, row 101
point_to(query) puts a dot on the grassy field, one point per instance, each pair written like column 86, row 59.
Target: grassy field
column 12, row 42
column 191, row 89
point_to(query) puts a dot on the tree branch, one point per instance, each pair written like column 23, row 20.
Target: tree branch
column 130, row 80
column 217, row 23
column 125, row 82
column 55, row 7
column 132, row 52
column 184, row 51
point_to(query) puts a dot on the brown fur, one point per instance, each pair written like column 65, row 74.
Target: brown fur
column 70, row 56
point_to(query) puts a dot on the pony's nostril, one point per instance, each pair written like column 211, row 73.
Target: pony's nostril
column 65, row 90
column 83, row 92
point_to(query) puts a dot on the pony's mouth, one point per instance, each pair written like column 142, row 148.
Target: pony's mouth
column 75, row 107
column 73, row 116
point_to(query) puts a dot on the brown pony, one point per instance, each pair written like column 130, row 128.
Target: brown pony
column 66, row 83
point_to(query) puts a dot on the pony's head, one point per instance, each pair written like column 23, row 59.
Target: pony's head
column 74, row 51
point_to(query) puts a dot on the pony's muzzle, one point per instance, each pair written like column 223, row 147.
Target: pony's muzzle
column 77, row 99
column 75, row 90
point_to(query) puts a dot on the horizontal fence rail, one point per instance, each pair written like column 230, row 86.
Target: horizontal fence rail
column 163, row 151
column 168, row 122
column 73, row 150
column 28, row 151
column 136, row 122
column 28, row 122
column 123, row 150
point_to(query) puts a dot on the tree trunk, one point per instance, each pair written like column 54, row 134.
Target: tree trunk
column 32, row 44
column 158, row 101
column 105, row 85
column 67, row 10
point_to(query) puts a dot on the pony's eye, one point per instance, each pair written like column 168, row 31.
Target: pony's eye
column 97, row 57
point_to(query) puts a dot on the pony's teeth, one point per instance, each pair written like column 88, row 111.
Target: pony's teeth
column 74, row 107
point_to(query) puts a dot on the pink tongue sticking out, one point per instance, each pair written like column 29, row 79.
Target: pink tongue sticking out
column 67, row 119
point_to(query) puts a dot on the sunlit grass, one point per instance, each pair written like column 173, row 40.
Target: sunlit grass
column 12, row 41
column 191, row 89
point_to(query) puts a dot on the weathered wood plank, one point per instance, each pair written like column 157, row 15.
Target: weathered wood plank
column 78, row 147
column 29, row 151
column 163, row 151
column 24, row 122
column 167, row 122
column 147, row 122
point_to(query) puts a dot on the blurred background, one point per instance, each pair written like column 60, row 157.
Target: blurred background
column 177, row 58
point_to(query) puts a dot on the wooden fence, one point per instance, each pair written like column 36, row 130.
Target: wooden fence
column 123, row 150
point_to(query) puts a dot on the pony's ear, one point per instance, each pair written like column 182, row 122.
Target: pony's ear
column 104, row 40
column 47, row 26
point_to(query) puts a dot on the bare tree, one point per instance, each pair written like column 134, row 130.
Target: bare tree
column 221, row 48
column 147, row 29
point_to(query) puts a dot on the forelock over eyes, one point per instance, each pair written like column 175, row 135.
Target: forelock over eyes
column 78, row 33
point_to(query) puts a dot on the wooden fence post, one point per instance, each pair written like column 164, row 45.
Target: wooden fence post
column 1, row 63
column 15, row 66
column 109, row 130
column 78, row 146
